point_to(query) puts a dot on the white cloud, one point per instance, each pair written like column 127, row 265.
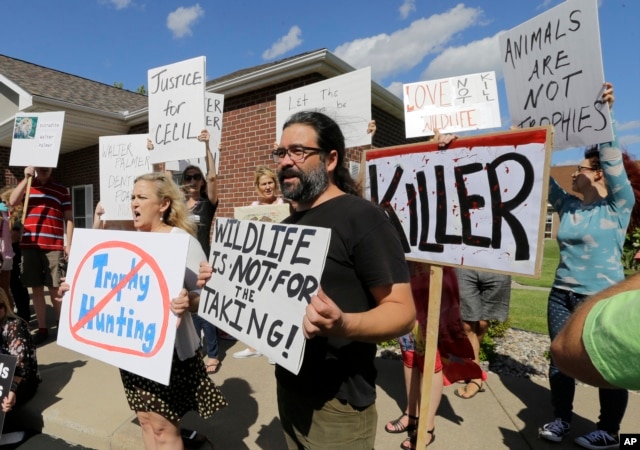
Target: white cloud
column 182, row 19
column 408, row 6
column 629, row 140
column 396, row 89
column 475, row 57
column 632, row 125
column 404, row 49
column 119, row 4
column 288, row 42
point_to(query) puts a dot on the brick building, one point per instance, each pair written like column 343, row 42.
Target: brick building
column 95, row 109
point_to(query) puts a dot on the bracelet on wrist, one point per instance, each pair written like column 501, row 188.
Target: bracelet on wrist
column 14, row 387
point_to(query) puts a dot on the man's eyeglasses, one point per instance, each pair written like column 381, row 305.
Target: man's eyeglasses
column 579, row 169
column 296, row 153
column 195, row 176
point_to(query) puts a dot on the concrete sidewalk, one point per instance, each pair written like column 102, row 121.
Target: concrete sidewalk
column 82, row 402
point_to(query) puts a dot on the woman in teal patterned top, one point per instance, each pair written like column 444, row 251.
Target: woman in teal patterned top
column 591, row 236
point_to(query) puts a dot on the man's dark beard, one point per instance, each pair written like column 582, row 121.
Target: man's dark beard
column 311, row 184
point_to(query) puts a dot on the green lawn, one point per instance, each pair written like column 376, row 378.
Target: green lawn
column 549, row 265
column 528, row 309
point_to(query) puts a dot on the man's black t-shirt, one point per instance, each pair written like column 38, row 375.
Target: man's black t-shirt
column 364, row 252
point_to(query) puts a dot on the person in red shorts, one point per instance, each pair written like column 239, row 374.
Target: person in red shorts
column 452, row 340
column 44, row 247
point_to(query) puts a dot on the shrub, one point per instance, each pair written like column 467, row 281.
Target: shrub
column 488, row 346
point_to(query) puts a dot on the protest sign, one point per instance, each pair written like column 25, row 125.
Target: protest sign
column 553, row 74
column 117, row 308
column 177, row 110
column 264, row 277
column 214, row 105
column 7, row 369
column 468, row 102
column 263, row 213
column 480, row 204
column 121, row 159
column 345, row 98
column 36, row 139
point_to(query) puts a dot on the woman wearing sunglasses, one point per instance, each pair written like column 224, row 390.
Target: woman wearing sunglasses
column 202, row 202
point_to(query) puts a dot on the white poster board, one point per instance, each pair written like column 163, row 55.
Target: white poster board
column 177, row 110
column 117, row 309
column 479, row 204
column 263, row 213
column 122, row 159
column 468, row 102
column 36, row 139
column 214, row 107
column 553, row 74
column 345, row 98
column 264, row 277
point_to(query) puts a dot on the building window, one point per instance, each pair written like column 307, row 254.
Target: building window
column 82, row 202
column 548, row 224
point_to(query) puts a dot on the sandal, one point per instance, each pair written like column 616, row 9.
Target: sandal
column 411, row 442
column 213, row 365
column 396, row 426
column 460, row 394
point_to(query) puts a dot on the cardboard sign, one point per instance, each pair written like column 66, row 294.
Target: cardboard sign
column 263, row 213
column 553, row 74
column 214, row 107
column 36, row 139
column 117, row 308
column 213, row 119
column 469, row 102
column 7, row 369
column 177, row 110
column 479, row 204
column 264, row 277
column 346, row 99
column 122, row 159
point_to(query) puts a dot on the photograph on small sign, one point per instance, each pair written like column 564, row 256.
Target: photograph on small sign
column 25, row 127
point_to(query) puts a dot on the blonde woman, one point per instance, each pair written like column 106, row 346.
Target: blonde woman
column 158, row 206
column 266, row 184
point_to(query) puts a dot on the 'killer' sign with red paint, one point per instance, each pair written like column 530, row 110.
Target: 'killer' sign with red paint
column 481, row 203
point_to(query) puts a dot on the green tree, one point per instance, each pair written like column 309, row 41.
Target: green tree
column 141, row 90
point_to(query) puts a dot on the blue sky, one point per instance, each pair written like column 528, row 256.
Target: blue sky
column 404, row 41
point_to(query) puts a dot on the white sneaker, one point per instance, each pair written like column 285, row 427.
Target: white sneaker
column 246, row 353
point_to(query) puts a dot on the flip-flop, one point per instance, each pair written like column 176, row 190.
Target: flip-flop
column 467, row 397
column 410, row 442
column 396, row 426
column 212, row 366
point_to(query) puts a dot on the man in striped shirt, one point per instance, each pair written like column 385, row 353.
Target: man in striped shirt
column 44, row 250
